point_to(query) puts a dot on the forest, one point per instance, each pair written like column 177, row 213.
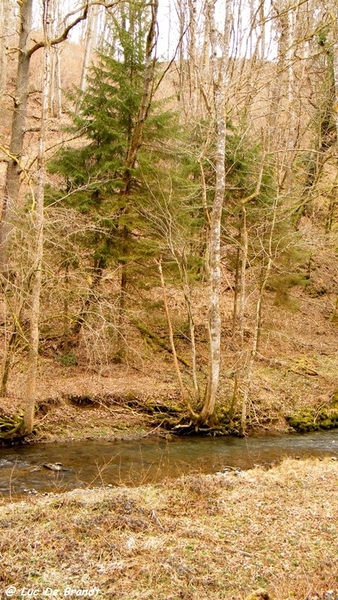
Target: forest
column 169, row 186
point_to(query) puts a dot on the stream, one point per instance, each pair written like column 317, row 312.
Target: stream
column 59, row 467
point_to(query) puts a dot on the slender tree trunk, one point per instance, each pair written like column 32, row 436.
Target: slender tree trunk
column 55, row 102
column 11, row 344
column 335, row 66
column 242, row 277
column 249, row 368
column 240, row 300
column 38, row 222
column 219, row 77
column 147, row 95
column 14, row 166
column 182, row 266
column 333, row 200
column 181, row 14
column 90, row 40
column 56, row 89
column 292, row 117
column 193, row 60
column 4, row 37
column 188, row 301
column 171, row 333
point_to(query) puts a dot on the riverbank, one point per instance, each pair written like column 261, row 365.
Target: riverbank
column 294, row 382
column 197, row 537
column 294, row 385
column 123, row 402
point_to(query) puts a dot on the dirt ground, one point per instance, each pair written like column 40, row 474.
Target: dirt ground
column 296, row 370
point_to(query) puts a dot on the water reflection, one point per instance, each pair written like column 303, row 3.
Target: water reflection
column 87, row 464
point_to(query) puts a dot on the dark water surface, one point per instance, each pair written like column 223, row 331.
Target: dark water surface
column 90, row 464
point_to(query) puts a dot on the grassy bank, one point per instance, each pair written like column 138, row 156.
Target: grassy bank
column 198, row 537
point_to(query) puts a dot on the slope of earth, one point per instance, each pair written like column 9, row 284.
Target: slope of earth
column 295, row 377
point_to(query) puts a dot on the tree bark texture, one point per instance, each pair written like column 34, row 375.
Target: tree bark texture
column 4, row 37
column 37, row 216
column 219, row 75
column 14, row 169
column 14, row 166
column 145, row 104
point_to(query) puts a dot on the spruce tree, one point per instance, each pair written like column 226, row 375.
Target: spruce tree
column 100, row 178
column 117, row 132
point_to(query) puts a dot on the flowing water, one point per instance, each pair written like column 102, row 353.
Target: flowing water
column 90, row 464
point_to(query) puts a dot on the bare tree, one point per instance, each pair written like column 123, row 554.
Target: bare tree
column 55, row 103
column 5, row 10
column 14, row 167
column 220, row 52
column 90, row 42
column 147, row 95
column 37, row 217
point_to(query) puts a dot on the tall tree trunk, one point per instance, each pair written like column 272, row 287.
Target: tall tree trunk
column 335, row 66
column 265, row 274
column 184, row 393
column 4, row 37
column 90, row 39
column 14, row 169
column 219, row 79
column 146, row 99
column 55, row 86
column 292, row 117
column 14, row 166
column 181, row 14
column 55, row 102
column 38, row 223
column 240, row 296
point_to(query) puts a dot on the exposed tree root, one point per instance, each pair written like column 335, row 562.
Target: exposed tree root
column 11, row 427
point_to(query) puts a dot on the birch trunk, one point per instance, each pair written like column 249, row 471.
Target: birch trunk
column 90, row 39
column 218, row 82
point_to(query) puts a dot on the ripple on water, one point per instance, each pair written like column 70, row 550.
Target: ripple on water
column 95, row 463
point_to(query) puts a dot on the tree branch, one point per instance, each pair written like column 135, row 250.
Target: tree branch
column 63, row 36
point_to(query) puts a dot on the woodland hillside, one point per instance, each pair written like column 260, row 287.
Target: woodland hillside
column 169, row 230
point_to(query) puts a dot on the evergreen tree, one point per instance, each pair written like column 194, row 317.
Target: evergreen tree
column 100, row 179
column 118, row 132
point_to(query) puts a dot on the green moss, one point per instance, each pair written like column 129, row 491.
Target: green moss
column 309, row 419
column 334, row 399
column 282, row 284
column 67, row 360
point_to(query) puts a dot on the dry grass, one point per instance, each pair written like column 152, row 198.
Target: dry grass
column 198, row 537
